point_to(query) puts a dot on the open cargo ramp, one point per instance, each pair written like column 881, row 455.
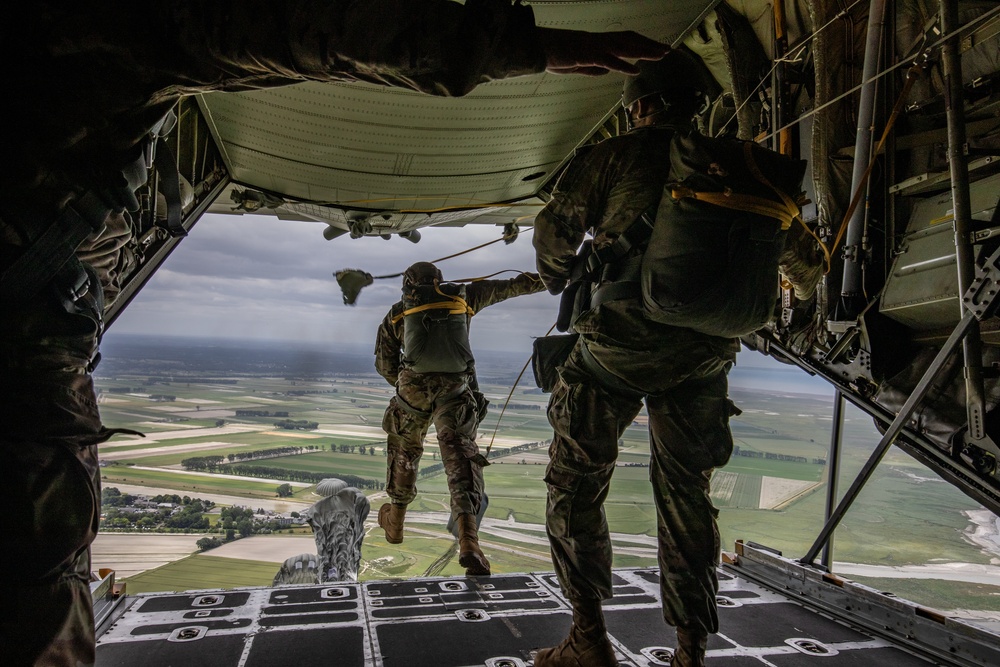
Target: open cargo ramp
column 774, row 611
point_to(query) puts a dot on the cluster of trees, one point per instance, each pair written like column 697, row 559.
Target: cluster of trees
column 242, row 521
column 122, row 511
column 212, row 462
column 237, row 519
column 112, row 497
column 756, row 454
column 296, row 425
column 180, row 500
column 520, row 448
column 206, row 543
column 349, row 449
column 287, row 450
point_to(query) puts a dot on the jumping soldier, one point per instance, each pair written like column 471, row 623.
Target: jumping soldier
column 88, row 86
column 621, row 359
column 422, row 349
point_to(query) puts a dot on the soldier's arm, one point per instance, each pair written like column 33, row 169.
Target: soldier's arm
column 483, row 293
column 561, row 226
column 432, row 46
column 388, row 345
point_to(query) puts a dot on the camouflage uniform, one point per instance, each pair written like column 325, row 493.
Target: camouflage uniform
column 91, row 80
column 680, row 373
column 450, row 401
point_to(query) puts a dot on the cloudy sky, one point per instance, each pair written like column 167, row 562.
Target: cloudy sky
column 257, row 277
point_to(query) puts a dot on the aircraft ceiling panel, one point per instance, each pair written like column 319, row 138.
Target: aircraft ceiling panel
column 358, row 145
column 346, row 186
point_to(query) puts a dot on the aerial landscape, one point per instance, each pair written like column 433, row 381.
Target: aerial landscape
column 238, row 434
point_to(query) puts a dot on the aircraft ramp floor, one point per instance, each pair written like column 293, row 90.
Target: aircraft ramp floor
column 773, row 612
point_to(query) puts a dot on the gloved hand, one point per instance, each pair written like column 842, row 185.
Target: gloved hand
column 596, row 53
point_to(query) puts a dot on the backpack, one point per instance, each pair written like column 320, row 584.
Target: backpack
column 436, row 329
column 711, row 263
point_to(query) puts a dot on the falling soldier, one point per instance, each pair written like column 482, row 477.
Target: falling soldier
column 423, row 350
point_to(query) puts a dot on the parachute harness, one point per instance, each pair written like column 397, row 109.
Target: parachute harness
column 455, row 305
column 785, row 212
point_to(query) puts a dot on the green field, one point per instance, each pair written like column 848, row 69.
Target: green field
column 915, row 516
column 333, row 463
column 187, row 484
column 202, row 571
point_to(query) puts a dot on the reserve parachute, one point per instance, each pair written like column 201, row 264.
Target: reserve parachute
column 436, row 328
column 711, row 264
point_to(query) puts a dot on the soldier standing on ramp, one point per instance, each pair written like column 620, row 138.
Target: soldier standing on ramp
column 627, row 354
column 423, row 350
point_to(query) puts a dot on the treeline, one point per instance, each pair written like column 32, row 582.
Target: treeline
column 261, row 413
column 771, row 456
column 212, row 462
column 286, row 450
column 296, row 425
column 301, row 476
column 349, row 449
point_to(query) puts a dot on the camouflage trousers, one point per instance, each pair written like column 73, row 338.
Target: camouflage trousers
column 54, row 509
column 51, row 497
column 447, row 401
column 689, row 436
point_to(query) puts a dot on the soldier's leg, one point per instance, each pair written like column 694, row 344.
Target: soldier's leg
column 689, row 437
column 405, row 430
column 456, row 421
column 54, row 508
column 587, row 422
column 51, row 497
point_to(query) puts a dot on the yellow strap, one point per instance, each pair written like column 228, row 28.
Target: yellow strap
column 790, row 205
column 785, row 212
column 739, row 202
column 457, row 306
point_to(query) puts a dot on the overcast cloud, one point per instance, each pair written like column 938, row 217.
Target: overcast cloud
column 257, row 277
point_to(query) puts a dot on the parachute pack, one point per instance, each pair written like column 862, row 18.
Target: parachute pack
column 712, row 260
column 712, row 244
column 436, row 328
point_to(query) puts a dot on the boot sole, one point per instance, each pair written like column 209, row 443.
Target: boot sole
column 390, row 540
column 475, row 566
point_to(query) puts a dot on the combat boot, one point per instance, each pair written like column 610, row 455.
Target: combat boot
column 390, row 519
column 690, row 651
column 470, row 556
column 587, row 644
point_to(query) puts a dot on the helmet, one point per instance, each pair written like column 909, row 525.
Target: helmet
column 421, row 273
column 676, row 77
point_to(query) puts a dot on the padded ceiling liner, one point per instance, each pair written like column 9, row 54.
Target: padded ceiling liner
column 373, row 148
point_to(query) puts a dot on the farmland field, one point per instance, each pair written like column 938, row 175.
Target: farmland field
column 916, row 516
